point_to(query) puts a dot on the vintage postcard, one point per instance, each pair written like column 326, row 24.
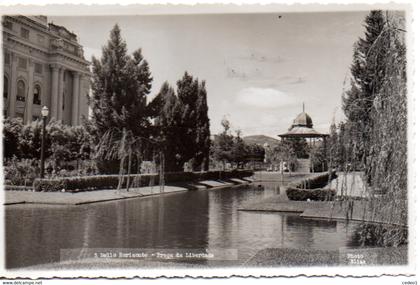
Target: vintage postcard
column 208, row 140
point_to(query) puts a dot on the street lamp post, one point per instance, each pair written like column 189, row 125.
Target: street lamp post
column 44, row 113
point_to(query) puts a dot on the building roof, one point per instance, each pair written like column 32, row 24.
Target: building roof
column 302, row 127
column 302, row 132
column 302, row 120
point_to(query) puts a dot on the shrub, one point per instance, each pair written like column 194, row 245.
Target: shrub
column 21, row 172
column 383, row 235
column 311, row 188
column 63, row 143
column 296, row 194
column 12, row 129
column 50, row 185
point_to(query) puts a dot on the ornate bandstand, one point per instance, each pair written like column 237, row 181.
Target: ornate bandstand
column 302, row 127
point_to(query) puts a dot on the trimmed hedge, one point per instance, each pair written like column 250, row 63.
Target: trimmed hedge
column 296, row 194
column 318, row 181
column 312, row 188
column 17, row 188
column 98, row 182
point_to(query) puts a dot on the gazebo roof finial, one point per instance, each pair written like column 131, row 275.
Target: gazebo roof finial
column 303, row 107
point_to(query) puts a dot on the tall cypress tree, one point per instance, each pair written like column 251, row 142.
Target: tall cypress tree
column 119, row 88
column 367, row 78
column 201, row 158
column 195, row 133
column 166, row 111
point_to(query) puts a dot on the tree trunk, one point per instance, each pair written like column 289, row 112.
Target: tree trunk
column 129, row 170
column 121, row 174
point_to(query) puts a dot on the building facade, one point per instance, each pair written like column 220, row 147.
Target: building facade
column 44, row 65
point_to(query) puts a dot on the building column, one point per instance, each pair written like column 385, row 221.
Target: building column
column 54, row 91
column 60, row 95
column 13, row 86
column 75, row 99
column 29, row 98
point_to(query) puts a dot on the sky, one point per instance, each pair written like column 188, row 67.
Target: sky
column 259, row 68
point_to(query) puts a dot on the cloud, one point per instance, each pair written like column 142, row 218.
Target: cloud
column 260, row 57
column 266, row 98
column 263, row 77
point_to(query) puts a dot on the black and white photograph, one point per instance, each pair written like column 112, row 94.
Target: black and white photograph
column 137, row 141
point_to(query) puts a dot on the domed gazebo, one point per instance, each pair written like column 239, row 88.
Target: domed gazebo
column 302, row 127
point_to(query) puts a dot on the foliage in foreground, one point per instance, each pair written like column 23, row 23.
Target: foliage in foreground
column 373, row 139
column 380, row 235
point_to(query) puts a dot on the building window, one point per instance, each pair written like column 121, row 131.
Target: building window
column 37, row 95
column 19, row 115
column 22, row 63
column 24, row 33
column 41, row 39
column 35, row 118
column 20, row 96
column 38, row 68
column 8, row 25
column 7, row 58
column 5, row 87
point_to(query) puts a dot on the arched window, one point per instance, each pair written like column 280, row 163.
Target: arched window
column 5, row 87
column 20, row 96
column 37, row 95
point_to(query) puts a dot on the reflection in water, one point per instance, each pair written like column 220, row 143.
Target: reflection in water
column 194, row 219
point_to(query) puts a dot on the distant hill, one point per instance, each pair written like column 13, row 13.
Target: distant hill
column 261, row 140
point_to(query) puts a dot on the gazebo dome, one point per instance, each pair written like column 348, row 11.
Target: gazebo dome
column 302, row 120
column 302, row 127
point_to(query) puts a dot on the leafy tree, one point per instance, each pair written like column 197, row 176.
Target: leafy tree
column 254, row 152
column 299, row 145
column 223, row 145
column 227, row 148
column 63, row 143
column 120, row 85
column 240, row 151
column 284, row 151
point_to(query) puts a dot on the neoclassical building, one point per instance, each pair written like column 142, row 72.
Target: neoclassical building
column 43, row 66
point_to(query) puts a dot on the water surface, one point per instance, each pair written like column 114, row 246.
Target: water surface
column 194, row 219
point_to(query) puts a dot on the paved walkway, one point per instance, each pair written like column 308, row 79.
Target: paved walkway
column 358, row 210
column 351, row 184
column 66, row 198
column 18, row 197
column 266, row 176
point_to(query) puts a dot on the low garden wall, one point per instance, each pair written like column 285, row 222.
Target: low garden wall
column 312, row 188
column 99, row 182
